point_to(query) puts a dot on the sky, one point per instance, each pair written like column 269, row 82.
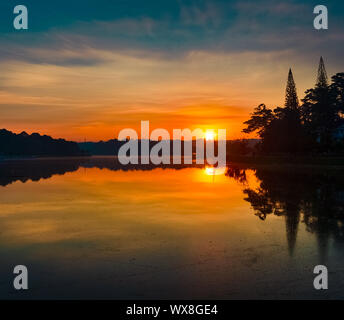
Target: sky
column 87, row 69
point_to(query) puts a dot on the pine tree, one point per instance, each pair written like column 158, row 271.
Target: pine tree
column 285, row 132
column 322, row 75
column 280, row 130
column 291, row 99
column 320, row 113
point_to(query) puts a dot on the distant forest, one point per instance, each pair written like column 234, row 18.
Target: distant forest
column 314, row 126
column 36, row 145
column 23, row 144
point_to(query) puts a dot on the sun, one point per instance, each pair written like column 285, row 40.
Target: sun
column 210, row 135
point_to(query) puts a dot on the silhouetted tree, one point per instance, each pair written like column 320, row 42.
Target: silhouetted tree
column 337, row 88
column 319, row 111
column 337, row 91
column 322, row 75
column 291, row 99
column 285, row 133
column 281, row 130
column 318, row 125
column 260, row 120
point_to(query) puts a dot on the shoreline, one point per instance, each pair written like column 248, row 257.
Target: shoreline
column 254, row 161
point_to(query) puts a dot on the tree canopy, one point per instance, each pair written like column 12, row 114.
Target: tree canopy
column 313, row 126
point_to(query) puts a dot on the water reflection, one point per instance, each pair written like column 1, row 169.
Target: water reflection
column 237, row 173
column 44, row 168
column 313, row 196
column 184, row 228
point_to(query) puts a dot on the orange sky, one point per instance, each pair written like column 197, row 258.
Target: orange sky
column 200, row 90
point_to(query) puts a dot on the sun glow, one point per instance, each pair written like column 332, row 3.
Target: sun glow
column 210, row 135
column 212, row 171
column 209, row 171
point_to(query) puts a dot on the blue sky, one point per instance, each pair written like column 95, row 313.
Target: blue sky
column 180, row 25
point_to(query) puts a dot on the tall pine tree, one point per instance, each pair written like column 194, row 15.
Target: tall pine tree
column 280, row 130
column 288, row 129
column 291, row 99
column 319, row 111
column 322, row 75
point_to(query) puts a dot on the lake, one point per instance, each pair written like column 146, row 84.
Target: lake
column 89, row 228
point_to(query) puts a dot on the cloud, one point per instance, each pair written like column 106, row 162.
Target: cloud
column 208, row 14
column 228, row 26
column 199, row 89
column 271, row 7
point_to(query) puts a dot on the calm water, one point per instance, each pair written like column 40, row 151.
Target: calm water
column 89, row 228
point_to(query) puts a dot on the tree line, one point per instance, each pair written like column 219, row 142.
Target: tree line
column 316, row 125
column 34, row 144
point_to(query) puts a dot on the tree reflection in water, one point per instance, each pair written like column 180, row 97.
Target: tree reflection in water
column 314, row 196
